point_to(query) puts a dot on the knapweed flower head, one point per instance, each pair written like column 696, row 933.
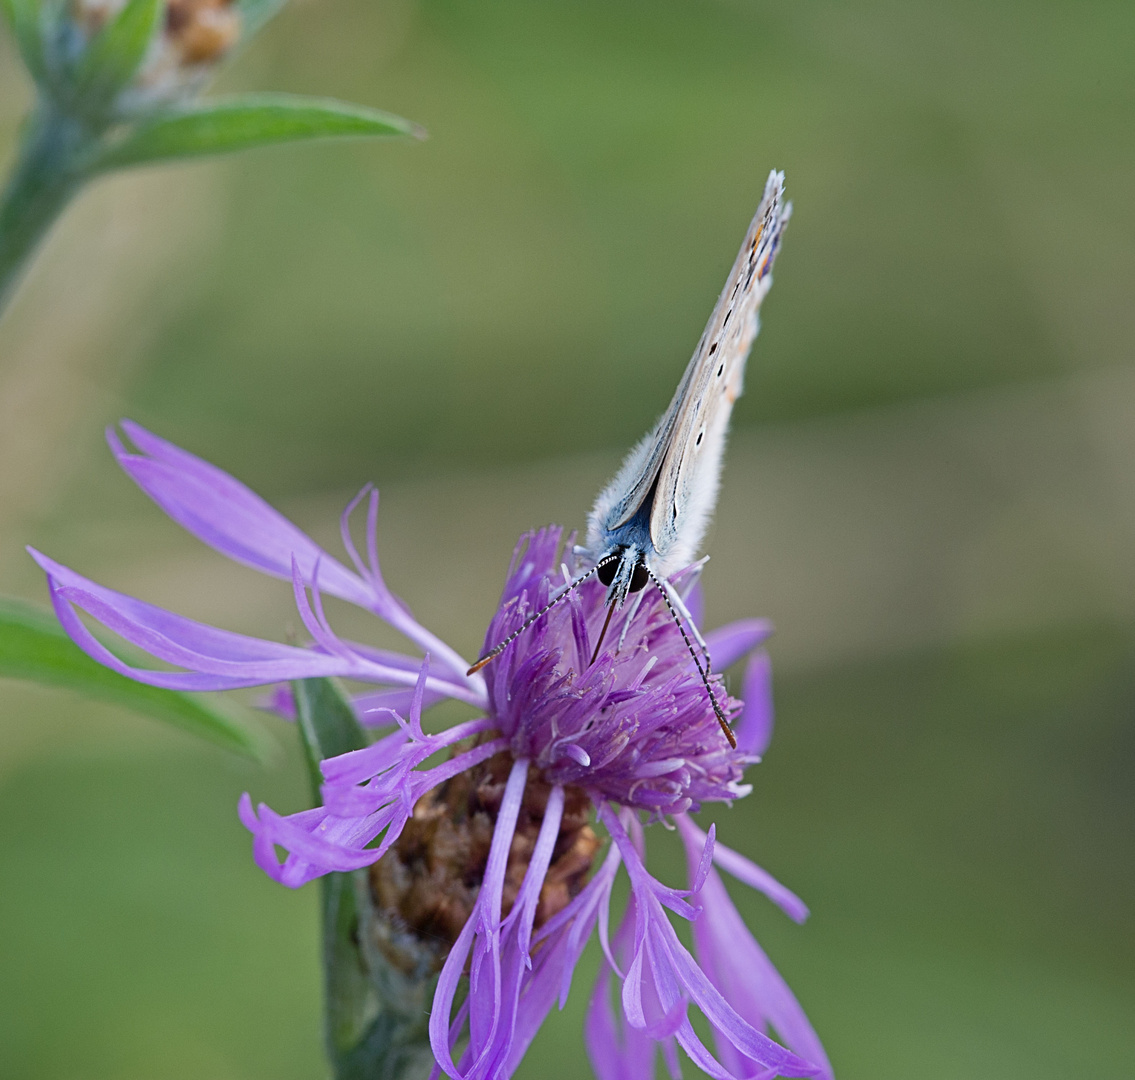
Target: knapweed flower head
column 485, row 840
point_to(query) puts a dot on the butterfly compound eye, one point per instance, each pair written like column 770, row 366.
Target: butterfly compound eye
column 639, row 577
column 607, row 570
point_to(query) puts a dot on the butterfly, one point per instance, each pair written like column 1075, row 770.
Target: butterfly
column 649, row 521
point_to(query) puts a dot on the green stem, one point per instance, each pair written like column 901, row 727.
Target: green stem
column 377, row 1011
column 48, row 172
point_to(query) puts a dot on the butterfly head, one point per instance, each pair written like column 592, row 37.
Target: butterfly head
column 622, row 569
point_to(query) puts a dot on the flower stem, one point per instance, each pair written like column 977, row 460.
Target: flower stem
column 376, row 1012
column 48, row 171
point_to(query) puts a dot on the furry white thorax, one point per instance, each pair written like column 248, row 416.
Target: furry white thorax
column 680, row 547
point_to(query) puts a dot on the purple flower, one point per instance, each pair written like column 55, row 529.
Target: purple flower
column 487, row 827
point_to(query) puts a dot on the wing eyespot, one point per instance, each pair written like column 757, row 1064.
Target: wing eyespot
column 720, row 370
column 713, row 348
column 699, row 438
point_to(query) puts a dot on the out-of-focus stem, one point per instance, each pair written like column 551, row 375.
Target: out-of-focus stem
column 48, row 171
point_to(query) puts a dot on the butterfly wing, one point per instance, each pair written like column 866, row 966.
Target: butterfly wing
column 670, row 478
column 692, row 434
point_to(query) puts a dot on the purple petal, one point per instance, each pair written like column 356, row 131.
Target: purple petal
column 234, row 520
column 335, row 836
column 663, row 965
column 481, row 936
column 562, row 940
column 269, row 829
column 616, row 1052
column 215, row 659
column 280, row 700
column 226, row 515
column 218, row 660
column 706, row 861
column 742, row 971
column 355, row 766
column 754, row 729
column 581, row 914
column 374, row 708
column 739, row 968
column 446, row 990
column 745, row 870
column 487, row 1056
column 727, row 644
column 538, row 995
column 493, row 882
column 524, row 908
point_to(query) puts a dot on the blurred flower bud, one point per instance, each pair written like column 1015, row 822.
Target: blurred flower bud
column 117, row 59
column 195, row 36
column 117, row 84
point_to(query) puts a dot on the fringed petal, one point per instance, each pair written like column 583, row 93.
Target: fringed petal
column 234, row 520
column 486, row 1056
column 664, row 977
column 228, row 516
column 479, row 942
column 559, row 945
column 215, row 659
column 337, row 835
column 733, row 961
column 617, row 1049
column 747, row 871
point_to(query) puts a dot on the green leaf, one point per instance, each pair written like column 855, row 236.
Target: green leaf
column 114, row 54
column 237, row 123
column 24, row 18
column 34, row 646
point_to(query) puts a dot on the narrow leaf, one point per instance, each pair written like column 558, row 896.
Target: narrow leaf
column 237, row 123
column 33, row 646
column 24, row 18
column 115, row 53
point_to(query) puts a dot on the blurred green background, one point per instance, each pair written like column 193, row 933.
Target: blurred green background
column 929, row 489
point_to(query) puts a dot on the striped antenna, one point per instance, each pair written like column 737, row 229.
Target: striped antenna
column 493, row 653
